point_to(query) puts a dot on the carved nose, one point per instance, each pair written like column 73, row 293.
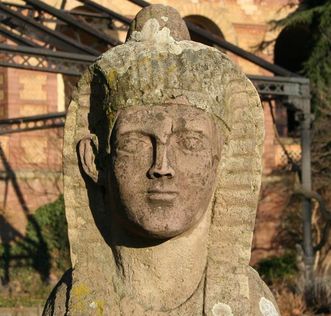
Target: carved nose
column 161, row 166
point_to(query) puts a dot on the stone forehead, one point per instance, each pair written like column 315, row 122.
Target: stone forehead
column 172, row 118
column 175, row 110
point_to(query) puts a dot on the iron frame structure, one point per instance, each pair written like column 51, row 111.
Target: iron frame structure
column 42, row 48
column 32, row 123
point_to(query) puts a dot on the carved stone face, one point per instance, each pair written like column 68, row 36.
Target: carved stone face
column 163, row 167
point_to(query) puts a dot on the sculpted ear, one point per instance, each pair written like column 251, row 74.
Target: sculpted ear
column 87, row 149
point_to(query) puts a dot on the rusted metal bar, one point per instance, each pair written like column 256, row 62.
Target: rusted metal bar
column 306, row 184
column 16, row 38
column 101, row 9
column 32, row 123
column 44, row 33
column 71, row 21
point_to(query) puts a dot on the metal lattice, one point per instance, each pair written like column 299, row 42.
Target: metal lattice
column 44, row 60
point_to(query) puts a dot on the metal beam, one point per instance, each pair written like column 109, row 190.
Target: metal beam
column 44, row 33
column 307, row 185
column 65, row 17
column 32, row 123
column 17, row 5
column 44, row 60
column 74, row 64
column 87, row 14
column 141, row 3
column 83, row 58
column 214, row 39
column 74, row 13
column 281, row 86
column 101, row 9
column 16, row 38
column 303, row 104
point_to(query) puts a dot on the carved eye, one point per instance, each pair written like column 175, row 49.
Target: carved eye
column 132, row 144
column 192, row 142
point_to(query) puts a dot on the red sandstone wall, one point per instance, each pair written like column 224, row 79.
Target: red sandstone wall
column 30, row 162
column 274, row 198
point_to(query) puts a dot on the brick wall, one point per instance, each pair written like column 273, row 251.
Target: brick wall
column 30, row 162
column 274, row 198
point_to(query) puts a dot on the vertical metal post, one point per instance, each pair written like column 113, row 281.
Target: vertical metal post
column 302, row 103
column 306, row 184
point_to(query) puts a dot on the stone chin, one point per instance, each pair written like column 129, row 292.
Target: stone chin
column 159, row 221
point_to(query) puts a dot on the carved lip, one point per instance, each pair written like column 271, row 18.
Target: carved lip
column 161, row 195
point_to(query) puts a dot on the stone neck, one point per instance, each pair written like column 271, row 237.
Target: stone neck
column 167, row 275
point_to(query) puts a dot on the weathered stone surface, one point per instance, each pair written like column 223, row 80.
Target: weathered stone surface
column 162, row 163
column 166, row 17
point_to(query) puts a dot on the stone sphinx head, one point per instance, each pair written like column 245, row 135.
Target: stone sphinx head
column 162, row 165
column 161, row 170
column 164, row 142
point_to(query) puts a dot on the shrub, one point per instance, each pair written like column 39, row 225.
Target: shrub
column 278, row 268
column 45, row 247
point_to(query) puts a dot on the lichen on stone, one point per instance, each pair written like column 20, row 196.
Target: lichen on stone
column 221, row 309
column 267, row 308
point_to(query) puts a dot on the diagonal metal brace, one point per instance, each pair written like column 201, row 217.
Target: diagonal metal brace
column 44, row 33
column 65, row 17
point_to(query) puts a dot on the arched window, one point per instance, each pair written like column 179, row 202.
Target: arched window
column 292, row 49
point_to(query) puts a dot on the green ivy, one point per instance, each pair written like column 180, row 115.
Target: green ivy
column 316, row 16
column 53, row 235
column 45, row 247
